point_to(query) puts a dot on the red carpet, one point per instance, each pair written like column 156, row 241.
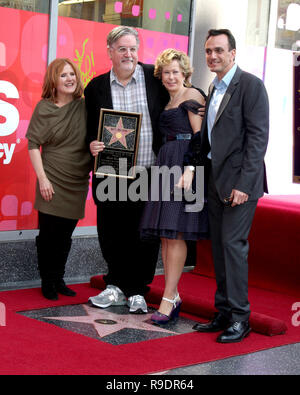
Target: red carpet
column 29, row 346
column 274, row 287
column 33, row 347
column 271, row 312
column 274, row 257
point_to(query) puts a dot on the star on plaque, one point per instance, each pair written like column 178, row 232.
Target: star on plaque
column 119, row 133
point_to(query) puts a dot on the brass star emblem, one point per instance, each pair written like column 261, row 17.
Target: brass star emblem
column 107, row 323
column 119, row 133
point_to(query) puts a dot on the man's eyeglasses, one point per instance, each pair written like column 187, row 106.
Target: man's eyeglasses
column 124, row 50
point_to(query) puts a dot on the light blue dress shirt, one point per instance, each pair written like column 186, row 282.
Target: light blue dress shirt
column 215, row 102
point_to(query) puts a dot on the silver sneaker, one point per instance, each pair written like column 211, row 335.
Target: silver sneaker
column 137, row 305
column 111, row 296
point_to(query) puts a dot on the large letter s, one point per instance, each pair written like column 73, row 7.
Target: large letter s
column 7, row 110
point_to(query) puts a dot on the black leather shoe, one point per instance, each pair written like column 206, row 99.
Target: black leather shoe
column 219, row 323
column 49, row 290
column 235, row 333
column 61, row 288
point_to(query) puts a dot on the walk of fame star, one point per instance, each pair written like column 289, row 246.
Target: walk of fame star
column 107, row 323
column 119, row 133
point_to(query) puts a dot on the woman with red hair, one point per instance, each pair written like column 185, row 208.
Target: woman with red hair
column 61, row 160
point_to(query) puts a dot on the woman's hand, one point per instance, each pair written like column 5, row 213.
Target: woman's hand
column 96, row 147
column 46, row 189
column 186, row 179
column 45, row 185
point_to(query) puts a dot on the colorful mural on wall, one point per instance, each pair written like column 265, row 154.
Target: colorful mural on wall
column 23, row 62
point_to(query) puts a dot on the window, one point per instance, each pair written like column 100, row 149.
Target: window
column 258, row 23
column 27, row 5
column 158, row 15
column 288, row 25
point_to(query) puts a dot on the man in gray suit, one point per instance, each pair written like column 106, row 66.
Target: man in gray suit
column 234, row 140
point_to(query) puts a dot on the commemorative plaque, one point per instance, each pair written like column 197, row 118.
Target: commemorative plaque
column 296, row 153
column 120, row 132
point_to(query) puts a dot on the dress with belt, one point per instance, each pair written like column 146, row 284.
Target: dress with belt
column 169, row 219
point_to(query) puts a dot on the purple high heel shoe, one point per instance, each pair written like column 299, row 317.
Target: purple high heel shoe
column 162, row 319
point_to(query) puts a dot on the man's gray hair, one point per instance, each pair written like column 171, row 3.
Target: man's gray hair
column 119, row 32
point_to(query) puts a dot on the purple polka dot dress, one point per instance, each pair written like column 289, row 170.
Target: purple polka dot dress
column 164, row 216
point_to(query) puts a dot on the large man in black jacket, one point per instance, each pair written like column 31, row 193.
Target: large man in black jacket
column 129, row 86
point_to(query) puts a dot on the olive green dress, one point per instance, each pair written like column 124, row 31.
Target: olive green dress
column 61, row 132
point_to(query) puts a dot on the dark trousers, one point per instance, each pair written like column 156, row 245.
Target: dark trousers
column 131, row 261
column 230, row 227
column 53, row 246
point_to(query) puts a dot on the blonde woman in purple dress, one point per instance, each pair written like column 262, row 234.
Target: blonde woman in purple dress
column 168, row 219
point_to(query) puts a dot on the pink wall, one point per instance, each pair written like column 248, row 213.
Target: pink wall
column 23, row 58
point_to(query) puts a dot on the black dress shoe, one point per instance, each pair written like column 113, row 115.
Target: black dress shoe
column 61, row 288
column 219, row 323
column 235, row 333
column 49, row 290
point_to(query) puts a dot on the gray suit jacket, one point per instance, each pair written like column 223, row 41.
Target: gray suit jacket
column 239, row 137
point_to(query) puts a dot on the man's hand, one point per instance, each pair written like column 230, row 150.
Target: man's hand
column 201, row 111
column 237, row 198
column 96, row 147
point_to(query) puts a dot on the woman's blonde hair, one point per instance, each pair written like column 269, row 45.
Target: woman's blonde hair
column 167, row 57
column 51, row 79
